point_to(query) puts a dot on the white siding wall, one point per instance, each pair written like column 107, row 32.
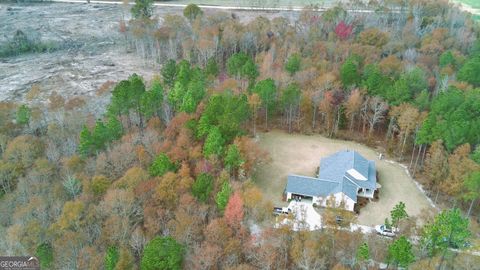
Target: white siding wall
column 349, row 203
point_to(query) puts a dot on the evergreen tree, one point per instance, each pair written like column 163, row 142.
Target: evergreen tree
column 454, row 118
column 469, row 71
column 161, row 165
column 86, row 144
column 111, row 258
column 399, row 92
column 44, row 254
column 151, row 101
column 101, row 136
column 476, row 154
column 447, row 58
column 188, row 103
column 363, row 253
column 119, row 101
column 349, row 72
column 202, row 187
column 398, row 213
column 23, row 115
column 235, row 63
column 422, row 101
column 472, row 189
column 191, row 12
column 400, row 252
column 143, row 9
column 176, row 95
column 162, row 253
column 214, row 143
column 184, row 73
column 293, row 64
column 212, row 68
column 290, row 100
column 249, row 71
column 115, row 128
column 223, row 195
column 227, row 112
column 233, row 159
column 267, row 91
column 448, row 230
column 375, row 82
column 169, row 72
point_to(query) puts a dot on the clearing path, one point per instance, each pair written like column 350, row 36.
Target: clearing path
column 301, row 154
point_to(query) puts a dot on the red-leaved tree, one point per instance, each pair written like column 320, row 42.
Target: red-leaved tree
column 234, row 210
column 343, row 30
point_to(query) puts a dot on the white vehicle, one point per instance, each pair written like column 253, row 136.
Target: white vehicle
column 383, row 230
column 281, row 210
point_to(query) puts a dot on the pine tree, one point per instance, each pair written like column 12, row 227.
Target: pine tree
column 214, row 143
column 161, row 165
column 101, row 136
column 233, row 159
column 202, row 187
column 169, row 72
column 349, row 73
column 448, row 230
column 143, row 9
column 85, row 146
column 292, row 65
column 111, row 258
column 212, row 68
column 400, row 252
column 223, row 195
column 363, row 253
column 115, row 128
column 398, row 213
column 23, row 115
column 267, row 91
column 162, row 253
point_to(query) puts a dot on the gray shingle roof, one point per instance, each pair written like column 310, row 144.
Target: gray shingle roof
column 359, row 163
column 350, row 190
column 309, row 186
column 333, row 176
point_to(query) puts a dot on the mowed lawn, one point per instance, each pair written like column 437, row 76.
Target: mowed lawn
column 301, row 154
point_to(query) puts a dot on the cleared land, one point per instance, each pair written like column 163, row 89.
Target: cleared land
column 301, row 154
column 91, row 50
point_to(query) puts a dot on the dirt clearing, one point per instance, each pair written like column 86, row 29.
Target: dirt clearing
column 301, row 154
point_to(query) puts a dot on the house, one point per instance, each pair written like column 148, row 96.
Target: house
column 342, row 178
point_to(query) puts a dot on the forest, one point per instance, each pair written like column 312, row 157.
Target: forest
column 164, row 178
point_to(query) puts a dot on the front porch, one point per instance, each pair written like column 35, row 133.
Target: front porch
column 366, row 193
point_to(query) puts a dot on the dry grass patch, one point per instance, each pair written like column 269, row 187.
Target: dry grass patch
column 301, row 154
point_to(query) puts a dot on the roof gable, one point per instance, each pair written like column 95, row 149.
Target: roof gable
column 360, row 164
